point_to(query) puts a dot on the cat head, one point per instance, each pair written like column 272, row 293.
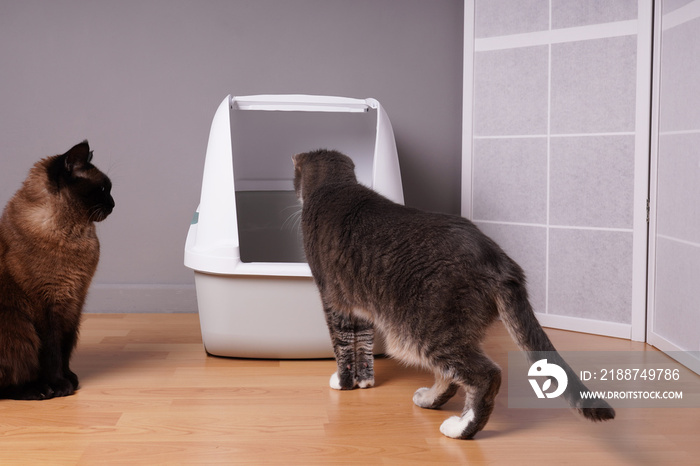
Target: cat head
column 86, row 190
column 321, row 167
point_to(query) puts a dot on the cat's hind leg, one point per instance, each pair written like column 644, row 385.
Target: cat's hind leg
column 440, row 393
column 481, row 380
column 19, row 355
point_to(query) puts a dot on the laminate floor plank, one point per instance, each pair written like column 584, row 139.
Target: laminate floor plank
column 151, row 395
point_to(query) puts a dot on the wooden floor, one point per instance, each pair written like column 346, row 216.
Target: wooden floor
column 150, row 395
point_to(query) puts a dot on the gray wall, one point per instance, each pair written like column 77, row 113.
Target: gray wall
column 142, row 79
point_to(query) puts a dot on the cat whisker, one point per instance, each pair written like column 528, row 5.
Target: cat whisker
column 97, row 214
column 293, row 220
column 294, row 207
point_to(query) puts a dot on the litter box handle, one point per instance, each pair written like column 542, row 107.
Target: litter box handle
column 299, row 103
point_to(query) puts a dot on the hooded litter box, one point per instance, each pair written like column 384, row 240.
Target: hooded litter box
column 255, row 293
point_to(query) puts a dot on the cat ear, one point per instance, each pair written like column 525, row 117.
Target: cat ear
column 78, row 157
column 299, row 159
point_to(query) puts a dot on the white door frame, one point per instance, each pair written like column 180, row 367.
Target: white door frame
column 688, row 12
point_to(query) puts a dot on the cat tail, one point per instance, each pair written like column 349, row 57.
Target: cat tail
column 522, row 324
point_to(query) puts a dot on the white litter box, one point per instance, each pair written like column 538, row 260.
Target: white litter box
column 255, row 293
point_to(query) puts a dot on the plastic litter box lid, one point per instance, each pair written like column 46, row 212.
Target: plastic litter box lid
column 212, row 244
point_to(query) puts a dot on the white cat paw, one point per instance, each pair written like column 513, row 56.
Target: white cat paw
column 454, row 426
column 335, row 381
column 420, row 398
column 367, row 383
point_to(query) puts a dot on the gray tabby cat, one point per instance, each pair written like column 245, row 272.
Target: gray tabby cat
column 431, row 284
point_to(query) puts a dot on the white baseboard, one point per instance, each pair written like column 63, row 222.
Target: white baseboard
column 125, row 298
column 576, row 324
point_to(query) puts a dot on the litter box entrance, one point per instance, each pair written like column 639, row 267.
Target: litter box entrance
column 268, row 226
column 263, row 143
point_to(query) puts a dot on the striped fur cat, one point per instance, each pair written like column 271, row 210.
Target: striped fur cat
column 430, row 283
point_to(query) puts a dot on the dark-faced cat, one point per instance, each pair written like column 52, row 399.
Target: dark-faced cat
column 430, row 283
column 48, row 256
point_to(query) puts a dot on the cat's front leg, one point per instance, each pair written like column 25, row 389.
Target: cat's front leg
column 70, row 339
column 364, row 354
column 72, row 378
column 55, row 378
column 342, row 331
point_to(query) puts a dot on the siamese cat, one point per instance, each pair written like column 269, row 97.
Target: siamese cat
column 48, row 255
